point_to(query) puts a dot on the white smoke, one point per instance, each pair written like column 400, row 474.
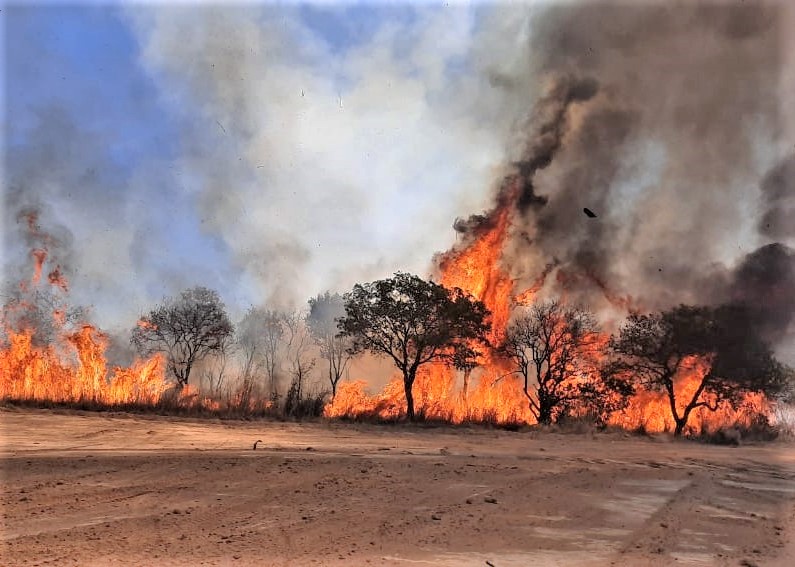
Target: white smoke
column 321, row 167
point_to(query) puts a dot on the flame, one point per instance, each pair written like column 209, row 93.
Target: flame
column 651, row 410
column 29, row 372
column 440, row 392
column 493, row 393
column 144, row 324
column 73, row 368
column 39, row 257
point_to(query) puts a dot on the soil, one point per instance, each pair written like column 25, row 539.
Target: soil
column 117, row 489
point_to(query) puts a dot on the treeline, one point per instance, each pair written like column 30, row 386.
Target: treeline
column 566, row 363
column 267, row 363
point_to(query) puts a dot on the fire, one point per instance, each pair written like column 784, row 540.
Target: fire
column 440, row 393
column 72, row 368
column 651, row 410
column 492, row 393
column 476, row 269
column 39, row 256
column 30, row 372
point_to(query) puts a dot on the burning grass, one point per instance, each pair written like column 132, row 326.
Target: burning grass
column 71, row 368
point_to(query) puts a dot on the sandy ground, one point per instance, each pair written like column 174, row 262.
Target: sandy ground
column 87, row 489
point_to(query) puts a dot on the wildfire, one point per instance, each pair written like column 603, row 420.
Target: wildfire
column 492, row 393
column 496, row 395
column 651, row 411
column 73, row 367
column 30, row 372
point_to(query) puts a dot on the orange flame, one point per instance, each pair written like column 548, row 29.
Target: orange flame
column 496, row 394
column 73, row 368
column 28, row 372
column 651, row 410
column 39, row 257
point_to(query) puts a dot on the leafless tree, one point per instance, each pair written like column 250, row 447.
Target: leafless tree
column 216, row 369
column 298, row 352
column 335, row 349
column 260, row 336
column 186, row 328
column 548, row 344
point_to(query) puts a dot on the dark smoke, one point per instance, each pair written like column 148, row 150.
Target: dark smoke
column 549, row 125
column 778, row 191
column 654, row 118
column 765, row 281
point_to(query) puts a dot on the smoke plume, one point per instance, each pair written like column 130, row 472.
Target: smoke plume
column 663, row 121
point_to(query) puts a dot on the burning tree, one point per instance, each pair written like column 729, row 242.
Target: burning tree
column 186, row 329
column 324, row 310
column 413, row 322
column 555, row 347
column 700, row 357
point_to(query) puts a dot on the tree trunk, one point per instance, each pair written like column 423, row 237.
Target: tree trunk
column 187, row 372
column 680, row 425
column 408, row 384
column 545, row 407
column 545, row 414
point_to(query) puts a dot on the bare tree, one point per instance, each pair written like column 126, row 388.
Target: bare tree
column 549, row 343
column 260, row 336
column 324, row 311
column 186, row 328
column 298, row 351
column 216, row 369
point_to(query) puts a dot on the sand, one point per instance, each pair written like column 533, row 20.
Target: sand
column 115, row 489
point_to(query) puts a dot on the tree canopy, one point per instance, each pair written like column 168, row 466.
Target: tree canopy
column 555, row 348
column 654, row 349
column 186, row 328
column 414, row 322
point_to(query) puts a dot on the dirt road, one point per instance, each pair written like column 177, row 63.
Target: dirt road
column 86, row 489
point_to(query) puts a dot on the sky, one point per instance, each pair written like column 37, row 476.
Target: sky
column 273, row 151
column 268, row 151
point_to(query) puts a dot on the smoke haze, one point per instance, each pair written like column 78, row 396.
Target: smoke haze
column 300, row 156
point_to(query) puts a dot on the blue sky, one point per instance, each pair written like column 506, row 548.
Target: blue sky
column 80, row 63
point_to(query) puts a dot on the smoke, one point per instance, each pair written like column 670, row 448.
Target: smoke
column 664, row 121
column 778, row 191
column 299, row 165
column 765, row 281
column 319, row 166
